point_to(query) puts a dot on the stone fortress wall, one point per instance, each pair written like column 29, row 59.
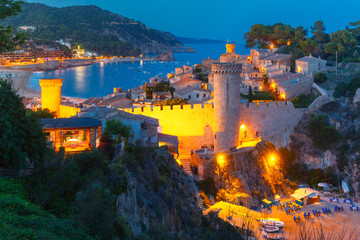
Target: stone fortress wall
column 275, row 121
column 68, row 111
column 194, row 124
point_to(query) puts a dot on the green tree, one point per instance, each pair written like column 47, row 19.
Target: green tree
column 9, row 41
column 172, row 101
column 259, row 35
column 308, row 46
column 321, row 133
column 341, row 41
column 116, row 127
column 319, row 78
column 355, row 29
column 300, row 34
column 41, row 113
column 163, row 86
column 94, row 207
column 318, row 31
column 266, row 81
column 22, row 141
column 250, row 94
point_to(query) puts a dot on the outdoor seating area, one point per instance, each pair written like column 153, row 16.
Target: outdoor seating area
column 289, row 207
column 329, row 212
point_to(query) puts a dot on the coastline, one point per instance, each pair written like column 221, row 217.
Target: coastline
column 20, row 74
column 20, row 81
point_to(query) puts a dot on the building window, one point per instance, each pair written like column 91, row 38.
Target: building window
column 189, row 97
column 204, row 95
column 197, row 95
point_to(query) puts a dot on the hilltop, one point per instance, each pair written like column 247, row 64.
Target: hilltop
column 94, row 29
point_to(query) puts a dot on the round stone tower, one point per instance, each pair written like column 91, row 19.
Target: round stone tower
column 226, row 105
column 51, row 94
column 230, row 48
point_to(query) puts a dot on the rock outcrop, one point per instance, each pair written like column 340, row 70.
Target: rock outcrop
column 165, row 56
column 357, row 96
column 343, row 156
column 158, row 194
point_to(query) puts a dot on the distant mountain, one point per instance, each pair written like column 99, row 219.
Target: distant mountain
column 186, row 40
column 94, row 29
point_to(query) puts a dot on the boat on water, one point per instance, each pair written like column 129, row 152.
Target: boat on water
column 270, row 228
column 278, row 224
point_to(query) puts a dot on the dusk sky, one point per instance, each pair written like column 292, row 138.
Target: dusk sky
column 225, row 19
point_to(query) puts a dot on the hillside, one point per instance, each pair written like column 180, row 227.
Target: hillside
column 21, row 219
column 94, row 29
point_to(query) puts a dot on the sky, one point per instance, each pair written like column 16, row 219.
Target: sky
column 225, row 20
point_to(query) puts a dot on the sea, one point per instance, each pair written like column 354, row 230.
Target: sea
column 99, row 79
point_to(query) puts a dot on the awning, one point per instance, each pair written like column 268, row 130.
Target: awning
column 298, row 196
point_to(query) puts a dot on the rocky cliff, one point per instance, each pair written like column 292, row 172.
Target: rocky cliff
column 165, row 56
column 343, row 155
column 245, row 178
column 160, row 199
column 94, row 29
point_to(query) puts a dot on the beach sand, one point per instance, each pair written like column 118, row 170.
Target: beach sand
column 20, row 81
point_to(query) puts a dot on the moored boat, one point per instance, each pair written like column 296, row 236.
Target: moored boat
column 278, row 224
column 270, row 228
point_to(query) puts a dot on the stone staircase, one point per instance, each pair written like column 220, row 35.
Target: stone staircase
column 187, row 167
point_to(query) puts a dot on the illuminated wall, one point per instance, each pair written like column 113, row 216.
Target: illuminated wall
column 51, row 94
column 68, row 111
column 193, row 124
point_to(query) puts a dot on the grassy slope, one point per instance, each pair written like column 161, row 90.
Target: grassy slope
column 20, row 219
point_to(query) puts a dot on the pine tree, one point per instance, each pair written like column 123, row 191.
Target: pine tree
column 250, row 94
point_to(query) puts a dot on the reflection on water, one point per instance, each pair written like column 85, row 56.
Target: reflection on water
column 99, row 79
column 80, row 79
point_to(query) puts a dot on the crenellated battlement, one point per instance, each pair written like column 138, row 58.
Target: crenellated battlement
column 226, row 68
column 257, row 105
column 50, row 82
column 152, row 109
column 268, row 104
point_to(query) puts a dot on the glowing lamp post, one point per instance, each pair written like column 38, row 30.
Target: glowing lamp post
column 221, row 161
column 283, row 96
column 272, row 160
